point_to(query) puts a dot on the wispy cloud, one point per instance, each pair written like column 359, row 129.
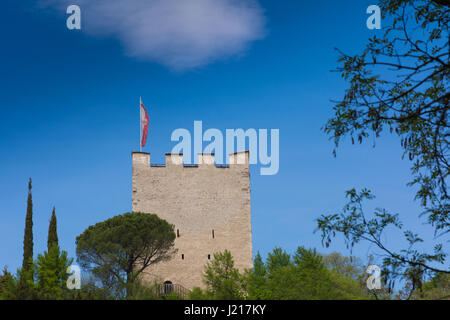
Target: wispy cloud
column 181, row 34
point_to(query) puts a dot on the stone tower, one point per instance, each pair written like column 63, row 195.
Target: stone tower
column 208, row 204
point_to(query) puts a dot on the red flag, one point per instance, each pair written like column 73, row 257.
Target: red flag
column 145, row 121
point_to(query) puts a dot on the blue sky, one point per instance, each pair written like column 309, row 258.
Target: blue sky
column 69, row 118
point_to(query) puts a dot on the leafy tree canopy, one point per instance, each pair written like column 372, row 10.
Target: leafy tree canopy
column 51, row 273
column 303, row 275
column 121, row 248
column 222, row 279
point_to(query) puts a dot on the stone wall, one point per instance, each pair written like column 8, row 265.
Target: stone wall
column 209, row 206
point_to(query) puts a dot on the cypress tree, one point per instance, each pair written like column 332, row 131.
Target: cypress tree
column 28, row 238
column 52, row 233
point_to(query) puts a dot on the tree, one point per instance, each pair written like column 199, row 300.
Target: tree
column 90, row 291
column 256, row 280
column 349, row 276
column 8, row 286
column 51, row 273
column 400, row 82
column 51, row 267
column 276, row 259
column 306, row 277
column 52, row 232
column 438, row 288
column 223, row 281
column 26, row 272
column 198, row 294
column 350, row 267
column 28, row 236
column 121, row 248
column 300, row 276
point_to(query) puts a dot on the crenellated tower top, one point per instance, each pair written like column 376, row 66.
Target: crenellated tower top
column 204, row 159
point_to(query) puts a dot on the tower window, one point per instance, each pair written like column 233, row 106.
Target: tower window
column 182, row 256
column 178, row 233
column 213, row 233
column 209, row 257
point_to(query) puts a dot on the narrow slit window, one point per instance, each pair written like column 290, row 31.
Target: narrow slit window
column 178, row 233
column 209, row 257
column 213, row 233
column 182, row 256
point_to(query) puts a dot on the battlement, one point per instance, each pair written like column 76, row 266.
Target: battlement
column 204, row 159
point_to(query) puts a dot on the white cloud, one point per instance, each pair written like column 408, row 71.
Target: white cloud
column 181, row 34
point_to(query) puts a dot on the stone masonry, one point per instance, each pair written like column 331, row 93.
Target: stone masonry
column 209, row 206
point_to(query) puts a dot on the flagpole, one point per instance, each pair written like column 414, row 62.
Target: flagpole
column 140, row 125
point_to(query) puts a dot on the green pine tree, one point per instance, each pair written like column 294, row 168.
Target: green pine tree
column 7, row 286
column 257, row 280
column 223, row 281
column 51, row 273
column 52, row 233
column 51, row 267
column 27, row 263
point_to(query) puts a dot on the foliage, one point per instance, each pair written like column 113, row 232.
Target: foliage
column 438, row 288
column 409, row 263
column 50, row 268
column 276, row 259
column 52, row 232
column 8, row 286
column 27, row 263
column 51, row 273
column 90, row 291
column 140, row 290
column 198, row 294
column 121, row 248
column 400, row 82
column 350, row 267
column 257, row 280
column 302, row 276
column 350, row 271
column 143, row 290
column 172, row 296
column 222, row 279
